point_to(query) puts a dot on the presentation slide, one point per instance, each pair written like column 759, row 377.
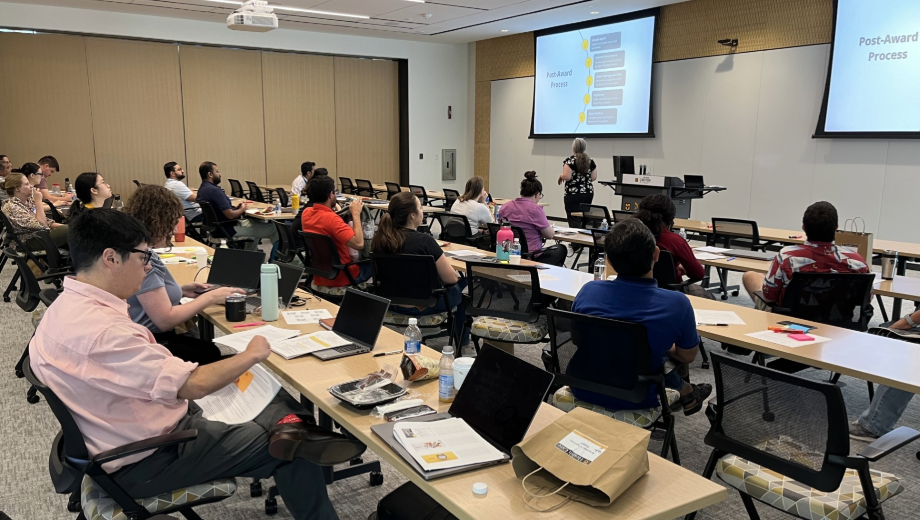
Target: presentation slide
column 595, row 80
column 875, row 69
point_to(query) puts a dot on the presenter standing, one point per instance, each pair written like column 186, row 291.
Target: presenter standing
column 578, row 174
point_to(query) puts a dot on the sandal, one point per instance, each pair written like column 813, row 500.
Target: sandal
column 698, row 395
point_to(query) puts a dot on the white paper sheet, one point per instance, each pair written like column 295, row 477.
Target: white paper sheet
column 565, row 230
column 465, row 252
column 180, row 250
column 781, row 339
column 525, row 278
column 307, row 317
column 717, row 317
column 449, row 443
column 240, row 340
column 177, row 260
column 184, row 300
column 242, row 400
column 303, row 345
column 709, row 249
column 708, row 256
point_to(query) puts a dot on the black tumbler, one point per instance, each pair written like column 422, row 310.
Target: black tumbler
column 236, row 307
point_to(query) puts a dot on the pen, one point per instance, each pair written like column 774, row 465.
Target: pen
column 253, row 324
column 732, row 258
column 713, row 324
column 390, row 353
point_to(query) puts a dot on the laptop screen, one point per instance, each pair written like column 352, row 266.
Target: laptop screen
column 236, row 268
column 500, row 396
column 693, row 181
column 290, row 277
column 360, row 317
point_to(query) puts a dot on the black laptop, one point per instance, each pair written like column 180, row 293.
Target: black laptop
column 694, row 181
column 287, row 286
column 236, row 268
column 359, row 321
column 499, row 398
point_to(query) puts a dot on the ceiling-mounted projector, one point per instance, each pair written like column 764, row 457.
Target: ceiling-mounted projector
column 253, row 15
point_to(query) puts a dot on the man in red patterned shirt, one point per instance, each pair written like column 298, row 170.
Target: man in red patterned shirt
column 818, row 254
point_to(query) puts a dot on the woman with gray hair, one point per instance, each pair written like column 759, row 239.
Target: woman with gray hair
column 578, row 173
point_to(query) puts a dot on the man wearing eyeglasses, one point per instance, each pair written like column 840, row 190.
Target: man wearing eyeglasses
column 122, row 387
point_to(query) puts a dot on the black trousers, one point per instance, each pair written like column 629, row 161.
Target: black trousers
column 573, row 202
column 189, row 348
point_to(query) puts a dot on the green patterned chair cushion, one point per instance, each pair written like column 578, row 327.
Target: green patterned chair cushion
column 512, row 331
column 334, row 291
column 431, row 320
column 566, row 401
column 98, row 506
column 846, row 503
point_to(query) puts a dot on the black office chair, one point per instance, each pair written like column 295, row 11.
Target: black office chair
column 193, row 229
column 364, row 188
column 733, row 233
column 325, row 263
column 347, row 187
column 592, row 216
column 598, row 236
column 236, row 189
column 504, row 302
column 450, row 196
column 455, row 228
column 288, row 249
column 625, row 359
column 784, row 440
column 421, row 193
column 392, row 189
column 619, row 215
column 73, row 471
column 665, row 273
column 412, row 281
column 215, row 230
column 255, row 192
column 494, row 227
column 30, row 293
column 283, row 197
column 52, row 210
column 49, row 260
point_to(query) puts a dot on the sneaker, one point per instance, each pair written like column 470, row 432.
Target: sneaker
column 858, row 433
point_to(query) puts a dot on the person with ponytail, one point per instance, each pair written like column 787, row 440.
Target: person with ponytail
column 397, row 234
column 578, row 172
column 657, row 213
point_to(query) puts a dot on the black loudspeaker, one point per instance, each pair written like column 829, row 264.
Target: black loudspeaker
column 624, row 164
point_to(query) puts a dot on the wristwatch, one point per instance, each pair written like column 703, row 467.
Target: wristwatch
column 909, row 321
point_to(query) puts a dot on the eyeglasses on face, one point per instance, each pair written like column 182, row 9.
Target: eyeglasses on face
column 148, row 254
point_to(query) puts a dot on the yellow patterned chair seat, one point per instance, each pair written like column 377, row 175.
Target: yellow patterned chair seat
column 785, row 494
column 334, row 291
column 512, row 331
column 566, row 401
column 431, row 320
column 98, row 506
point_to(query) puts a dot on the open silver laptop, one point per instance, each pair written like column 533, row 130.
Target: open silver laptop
column 359, row 321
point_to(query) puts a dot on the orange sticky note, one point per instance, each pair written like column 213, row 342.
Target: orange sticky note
column 244, row 381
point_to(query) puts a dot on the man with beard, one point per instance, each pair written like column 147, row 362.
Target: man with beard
column 210, row 192
column 174, row 177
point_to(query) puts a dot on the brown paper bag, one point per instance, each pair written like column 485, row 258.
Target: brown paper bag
column 582, row 456
column 857, row 240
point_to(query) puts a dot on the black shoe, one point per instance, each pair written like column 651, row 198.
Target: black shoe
column 317, row 445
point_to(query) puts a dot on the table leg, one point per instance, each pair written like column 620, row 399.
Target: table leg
column 901, row 270
column 205, row 329
column 881, row 306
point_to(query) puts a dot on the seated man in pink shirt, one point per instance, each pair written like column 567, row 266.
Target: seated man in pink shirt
column 122, row 387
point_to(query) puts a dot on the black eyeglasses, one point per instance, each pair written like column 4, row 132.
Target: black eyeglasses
column 148, row 254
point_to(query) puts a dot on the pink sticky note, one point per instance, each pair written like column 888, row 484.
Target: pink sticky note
column 800, row 337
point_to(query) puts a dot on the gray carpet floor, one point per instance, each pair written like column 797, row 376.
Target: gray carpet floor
column 26, row 432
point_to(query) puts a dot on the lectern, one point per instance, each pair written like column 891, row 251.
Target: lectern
column 633, row 188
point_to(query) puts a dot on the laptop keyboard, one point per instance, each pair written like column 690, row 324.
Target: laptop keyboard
column 348, row 348
column 254, row 301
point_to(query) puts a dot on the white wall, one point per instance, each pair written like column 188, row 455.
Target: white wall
column 742, row 121
column 438, row 73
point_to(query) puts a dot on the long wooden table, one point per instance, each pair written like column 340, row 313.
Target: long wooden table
column 667, row 491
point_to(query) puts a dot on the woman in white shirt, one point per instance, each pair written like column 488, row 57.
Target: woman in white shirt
column 472, row 205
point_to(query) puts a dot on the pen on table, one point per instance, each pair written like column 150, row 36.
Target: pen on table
column 732, row 258
column 253, row 324
column 713, row 324
column 390, row 353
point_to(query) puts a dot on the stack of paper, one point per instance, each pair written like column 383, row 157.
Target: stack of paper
column 242, row 400
column 307, row 317
column 303, row 345
column 708, row 256
column 449, row 443
column 717, row 318
column 240, row 340
column 463, row 253
column 709, row 249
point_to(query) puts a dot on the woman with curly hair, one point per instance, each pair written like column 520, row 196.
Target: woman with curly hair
column 157, row 304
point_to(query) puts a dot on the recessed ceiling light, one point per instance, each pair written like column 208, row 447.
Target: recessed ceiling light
column 296, row 9
column 595, row 12
column 504, row 30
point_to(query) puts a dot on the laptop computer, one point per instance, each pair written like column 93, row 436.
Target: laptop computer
column 694, row 181
column 236, row 268
column 753, row 255
column 359, row 321
column 499, row 398
column 287, row 285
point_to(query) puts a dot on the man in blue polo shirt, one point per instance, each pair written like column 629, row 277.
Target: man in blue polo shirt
column 209, row 192
column 635, row 297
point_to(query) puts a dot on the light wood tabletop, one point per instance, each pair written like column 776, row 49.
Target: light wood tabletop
column 425, row 209
column 261, row 206
column 666, row 491
column 285, row 187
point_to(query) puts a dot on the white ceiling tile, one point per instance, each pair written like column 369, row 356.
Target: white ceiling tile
column 365, row 7
column 484, row 4
column 439, row 13
column 178, row 4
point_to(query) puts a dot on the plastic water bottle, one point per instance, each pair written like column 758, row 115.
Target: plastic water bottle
column 446, row 389
column 223, row 244
column 600, row 266
column 604, row 225
column 412, row 338
column 268, row 290
column 683, row 234
column 277, row 207
column 66, row 184
column 515, row 256
column 118, row 205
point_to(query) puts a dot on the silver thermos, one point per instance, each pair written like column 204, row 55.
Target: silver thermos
column 889, row 261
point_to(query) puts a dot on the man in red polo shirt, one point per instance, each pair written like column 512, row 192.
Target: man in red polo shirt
column 322, row 219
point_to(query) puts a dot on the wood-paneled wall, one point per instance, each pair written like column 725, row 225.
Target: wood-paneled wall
column 125, row 107
column 686, row 30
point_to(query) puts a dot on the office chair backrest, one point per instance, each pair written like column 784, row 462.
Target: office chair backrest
column 255, row 193
column 347, row 186
column 55, row 214
column 364, row 188
column 665, row 271
column 392, row 189
column 782, row 422
column 839, row 299
column 420, row 192
column 408, row 280
column 236, row 189
column 454, row 228
column 621, row 361
column 283, row 198
column 286, row 251
column 450, row 196
column 27, row 298
column 210, row 222
column 323, row 255
column 619, row 215
column 728, row 231
column 592, row 215
column 504, row 291
column 516, row 230
column 107, row 203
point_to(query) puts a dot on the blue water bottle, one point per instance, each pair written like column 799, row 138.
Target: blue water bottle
column 271, row 273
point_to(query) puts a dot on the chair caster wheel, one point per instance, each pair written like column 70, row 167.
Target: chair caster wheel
column 734, row 293
column 6, row 299
column 255, row 489
column 724, row 296
column 376, row 478
column 271, row 507
column 769, row 416
column 355, row 462
column 705, row 365
column 74, row 507
column 32, row 399
column 918, row 455
column 20, row 374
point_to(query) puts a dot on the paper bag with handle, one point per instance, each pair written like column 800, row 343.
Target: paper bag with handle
column 860, row 241
column 582, row 456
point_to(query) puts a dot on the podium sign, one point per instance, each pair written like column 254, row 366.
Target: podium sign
column 657, row 181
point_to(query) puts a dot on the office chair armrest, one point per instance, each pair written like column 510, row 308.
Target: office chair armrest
column 759, row 296
column 160, row 441
column 52, row 276
column 888, row 443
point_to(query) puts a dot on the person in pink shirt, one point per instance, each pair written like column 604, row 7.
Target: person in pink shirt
column 122, row 387
column 525, row 213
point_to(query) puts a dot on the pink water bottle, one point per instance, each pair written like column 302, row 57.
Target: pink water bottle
column 503, row 240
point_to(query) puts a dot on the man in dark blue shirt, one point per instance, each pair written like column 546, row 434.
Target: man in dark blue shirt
column 635, row 297
column 210, row 192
